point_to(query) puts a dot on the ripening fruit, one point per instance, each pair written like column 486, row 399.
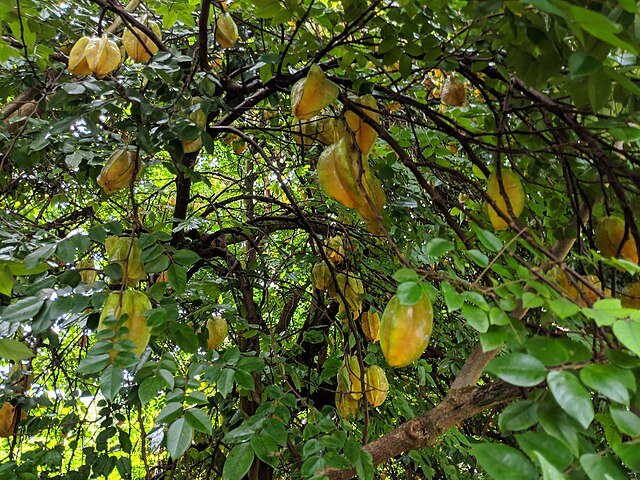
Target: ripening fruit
column 586, row 296
column 405, row 330
column 199, row 117
column 88, row 273
column 363, row 134
column 8, row 420
column 609, row 234
column 218, row 329
column 335, row 174
column 321, row 276
column 304, row 134
column 453, row 92
column 370, row 322
column 136, row 48
column 125, row 252
column 311, row 94
column 559, row 276
column 347, row 406
column 349, row 381
column 334, row 250
column 630, row 296
column 376, row 385
column 119, row 170
column 327, row 130
column 515, row 194
column 102, row 55
column 133, row 304
column 77, row 59
column 352, row 290
column 226, row 31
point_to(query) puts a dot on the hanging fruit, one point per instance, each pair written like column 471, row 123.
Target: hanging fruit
column 8, row 420
column 376, row 385
column 405, row 330
column 363, row 134
column 370, row 322
column 125, row 252
column 140, row 48
column 133, row 304
column 326, row 130
column 226, row 31
column 199, row 117
column 119, row 170
column 347, row 406
column 349, row 381
column 334, row 250
column 321, row 276
column 335, row 174
column 218, row 329
column 304, row 134
column 453, row 92
column 88, row 272
column 312, row 93
column 630, row 296
column 558, row 275
column 352, row 291
column 97, row 55
column 587, row 297
column 515, row 195
column 609, row 234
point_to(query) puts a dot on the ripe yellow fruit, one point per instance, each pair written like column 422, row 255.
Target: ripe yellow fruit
column 125, row 252
column 226, row 31
column 88, row 273
column 405, row 330
column 101, row 54
column 347, row 406
column 312, row 93
column 8, row 420
column 352, row 290
column 133, row 304
column 515, row 194
column 609, row 233
column 349, row 381
column 370, row 322
column 453, row 92
column 630, row 296
column 376, row 385
column 77, row 59
column 362, row 133
column 136, row 48
column 327, row 130
column 218, row 330
column 587, row 297
column 119, row 170
column 559, row 276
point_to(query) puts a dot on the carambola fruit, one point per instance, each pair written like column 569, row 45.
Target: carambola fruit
column 311, row 94
column 97, row 55
column 630, row 296
column 514, row 193
column 125, row 252
column 199, row 117
column 405, row 330
column 133, row 304
column 453, row 92
column 362, row 133
column 376, row 385
column 370, row 322
column 226, row 31
column 321, row 276
column 119, row 170
column 609, row 234
column 136, row 48
column 217, row 328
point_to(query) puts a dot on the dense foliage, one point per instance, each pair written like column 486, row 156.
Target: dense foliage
column 500, row 194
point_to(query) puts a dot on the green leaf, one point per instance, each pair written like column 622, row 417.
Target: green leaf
column 548, row 350
column 22, row 310
column 149, row 388
column 179, row 437
column 438, row 247
column 600, row 27
column 93, row 363
column 488, row 239
column 475, row 317
column 409, row 293
column 406, row 275
column 177, row 278
column 14, row 350
column 503, row 462
column 238, row 462
column 610, row 381
column 170, row 412
column 110, row 382
column 185, row 257
column 451, row 297
column 478, row 258
column 626, row 421
column 518, row 369
column 265, row 449
column 601, row 468
column 553, row 450
column 628, row 332
column 6, row 281
column 629, row 453
column 199, row 420
column 225, row 381
column 549, row 472
column 572, row 397
column 519, row 416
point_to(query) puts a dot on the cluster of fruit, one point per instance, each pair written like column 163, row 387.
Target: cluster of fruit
column 351, row 390
column 344, row 173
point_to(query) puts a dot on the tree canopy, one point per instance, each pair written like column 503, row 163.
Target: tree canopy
column 319, row 239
